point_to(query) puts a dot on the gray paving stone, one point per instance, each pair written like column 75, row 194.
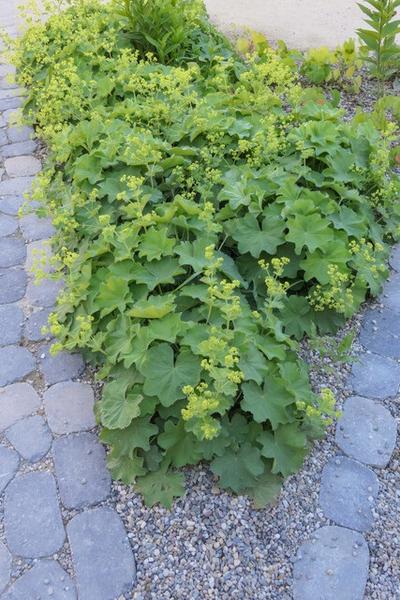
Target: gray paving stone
column 19, row 134
column 10, row 205
column 15, row 186
column 36, row 228
column 391, row 293
column 34, row 324
column 3, row 138
column 31, row 438
column 18, row 148
column 62, row 367
column 12, row 285
column 395, row 258
column 9, row 461
column 375, row 376
column 21, row 166
column 5, row 566
column 348, row 493
column 12, row 252
column 10, row 103
column 82, row 474
column 17, row 400
column 366, row 431
column 38, row 254
column 46, row 579
column 45, row 293
column 69, row 407
column 333, row 565
column 11, row 320
column 15, row 363
column 8, row 225
column 103, row 560
column 32, row 517
column 380, row 332
column 12, row 92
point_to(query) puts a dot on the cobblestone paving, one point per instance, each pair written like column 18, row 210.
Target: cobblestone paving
column 60, row 536
column 333, row 565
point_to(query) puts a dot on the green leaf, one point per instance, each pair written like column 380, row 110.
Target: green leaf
column 193, row 254
column 168, row 328
column 125, row 468
column 153, row 307
column 182, row 446
column 237, row 470
column 117, row 407
column 87, row 167
column 251, row 238
column 311, row 231
column 352, row 223
column 156, row 273
column 268, row 403
column 126, row 441
column 266, row 490
column 316, row 264
column 253, row 364
column 297, row 316
column 165, row 377
column 155, row 243
column 112, row 294
column 287, row 446
column 161, row 487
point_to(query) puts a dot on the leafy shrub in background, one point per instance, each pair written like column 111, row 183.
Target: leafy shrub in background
column 209, row 214
column 379, row 39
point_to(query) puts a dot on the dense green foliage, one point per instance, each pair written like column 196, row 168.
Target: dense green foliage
column 209, row 214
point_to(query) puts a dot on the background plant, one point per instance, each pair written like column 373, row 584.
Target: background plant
column 379, row 38
column 207, row 219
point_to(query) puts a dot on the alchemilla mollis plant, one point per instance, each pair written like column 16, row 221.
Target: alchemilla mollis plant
column 210, row 212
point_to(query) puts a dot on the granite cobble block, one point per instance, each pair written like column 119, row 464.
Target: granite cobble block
column 375, row 376
column 19, row 134
column 366, row 431
column 391, row 294
column 35, row 324
column 46, row 579
column 17, row 400
column 43, row 294
column 12, row 285
column 15, row 364
column 10, row 205
column 26, row 146
column 82, row 475
column 32, row 517
column 12, row 252
column 11, row 321
column 5, row 566
column 333, row 565
column 36, row 228
column 380, row 333
column 9, row 461
column 15, row 186
column 62, row 367
column 348, row 493
column 102, row 556
column 69, row 407
column 8, row 225
column 38, row 254
column 30, row 437
column 21, row 166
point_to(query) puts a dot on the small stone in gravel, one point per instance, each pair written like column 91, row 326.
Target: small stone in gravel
column 32, row 517
column 15, row 186
column 69, row 407
column 380, row 332
column 46, row 579
column 61, row 367
column 30, row 437
column 103, row 560
column 82, row 475
column 34, row 325
column 20, row 166
column 8, row 225
column 348, row 493
column 19, row 134
column 43, row 294
column 17, row 401
column 38, row 253
column 366, row 431
column 12, row 252
column 36, row 228
column 9, row 461
column 375, row 376
column 18, row 148
column 12, row 285
column 334, row 567
column 15, row 363
column 11, row 319
column 5, row 566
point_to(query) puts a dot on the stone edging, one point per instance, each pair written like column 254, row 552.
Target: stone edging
column 334, row 564
column 55, row 486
